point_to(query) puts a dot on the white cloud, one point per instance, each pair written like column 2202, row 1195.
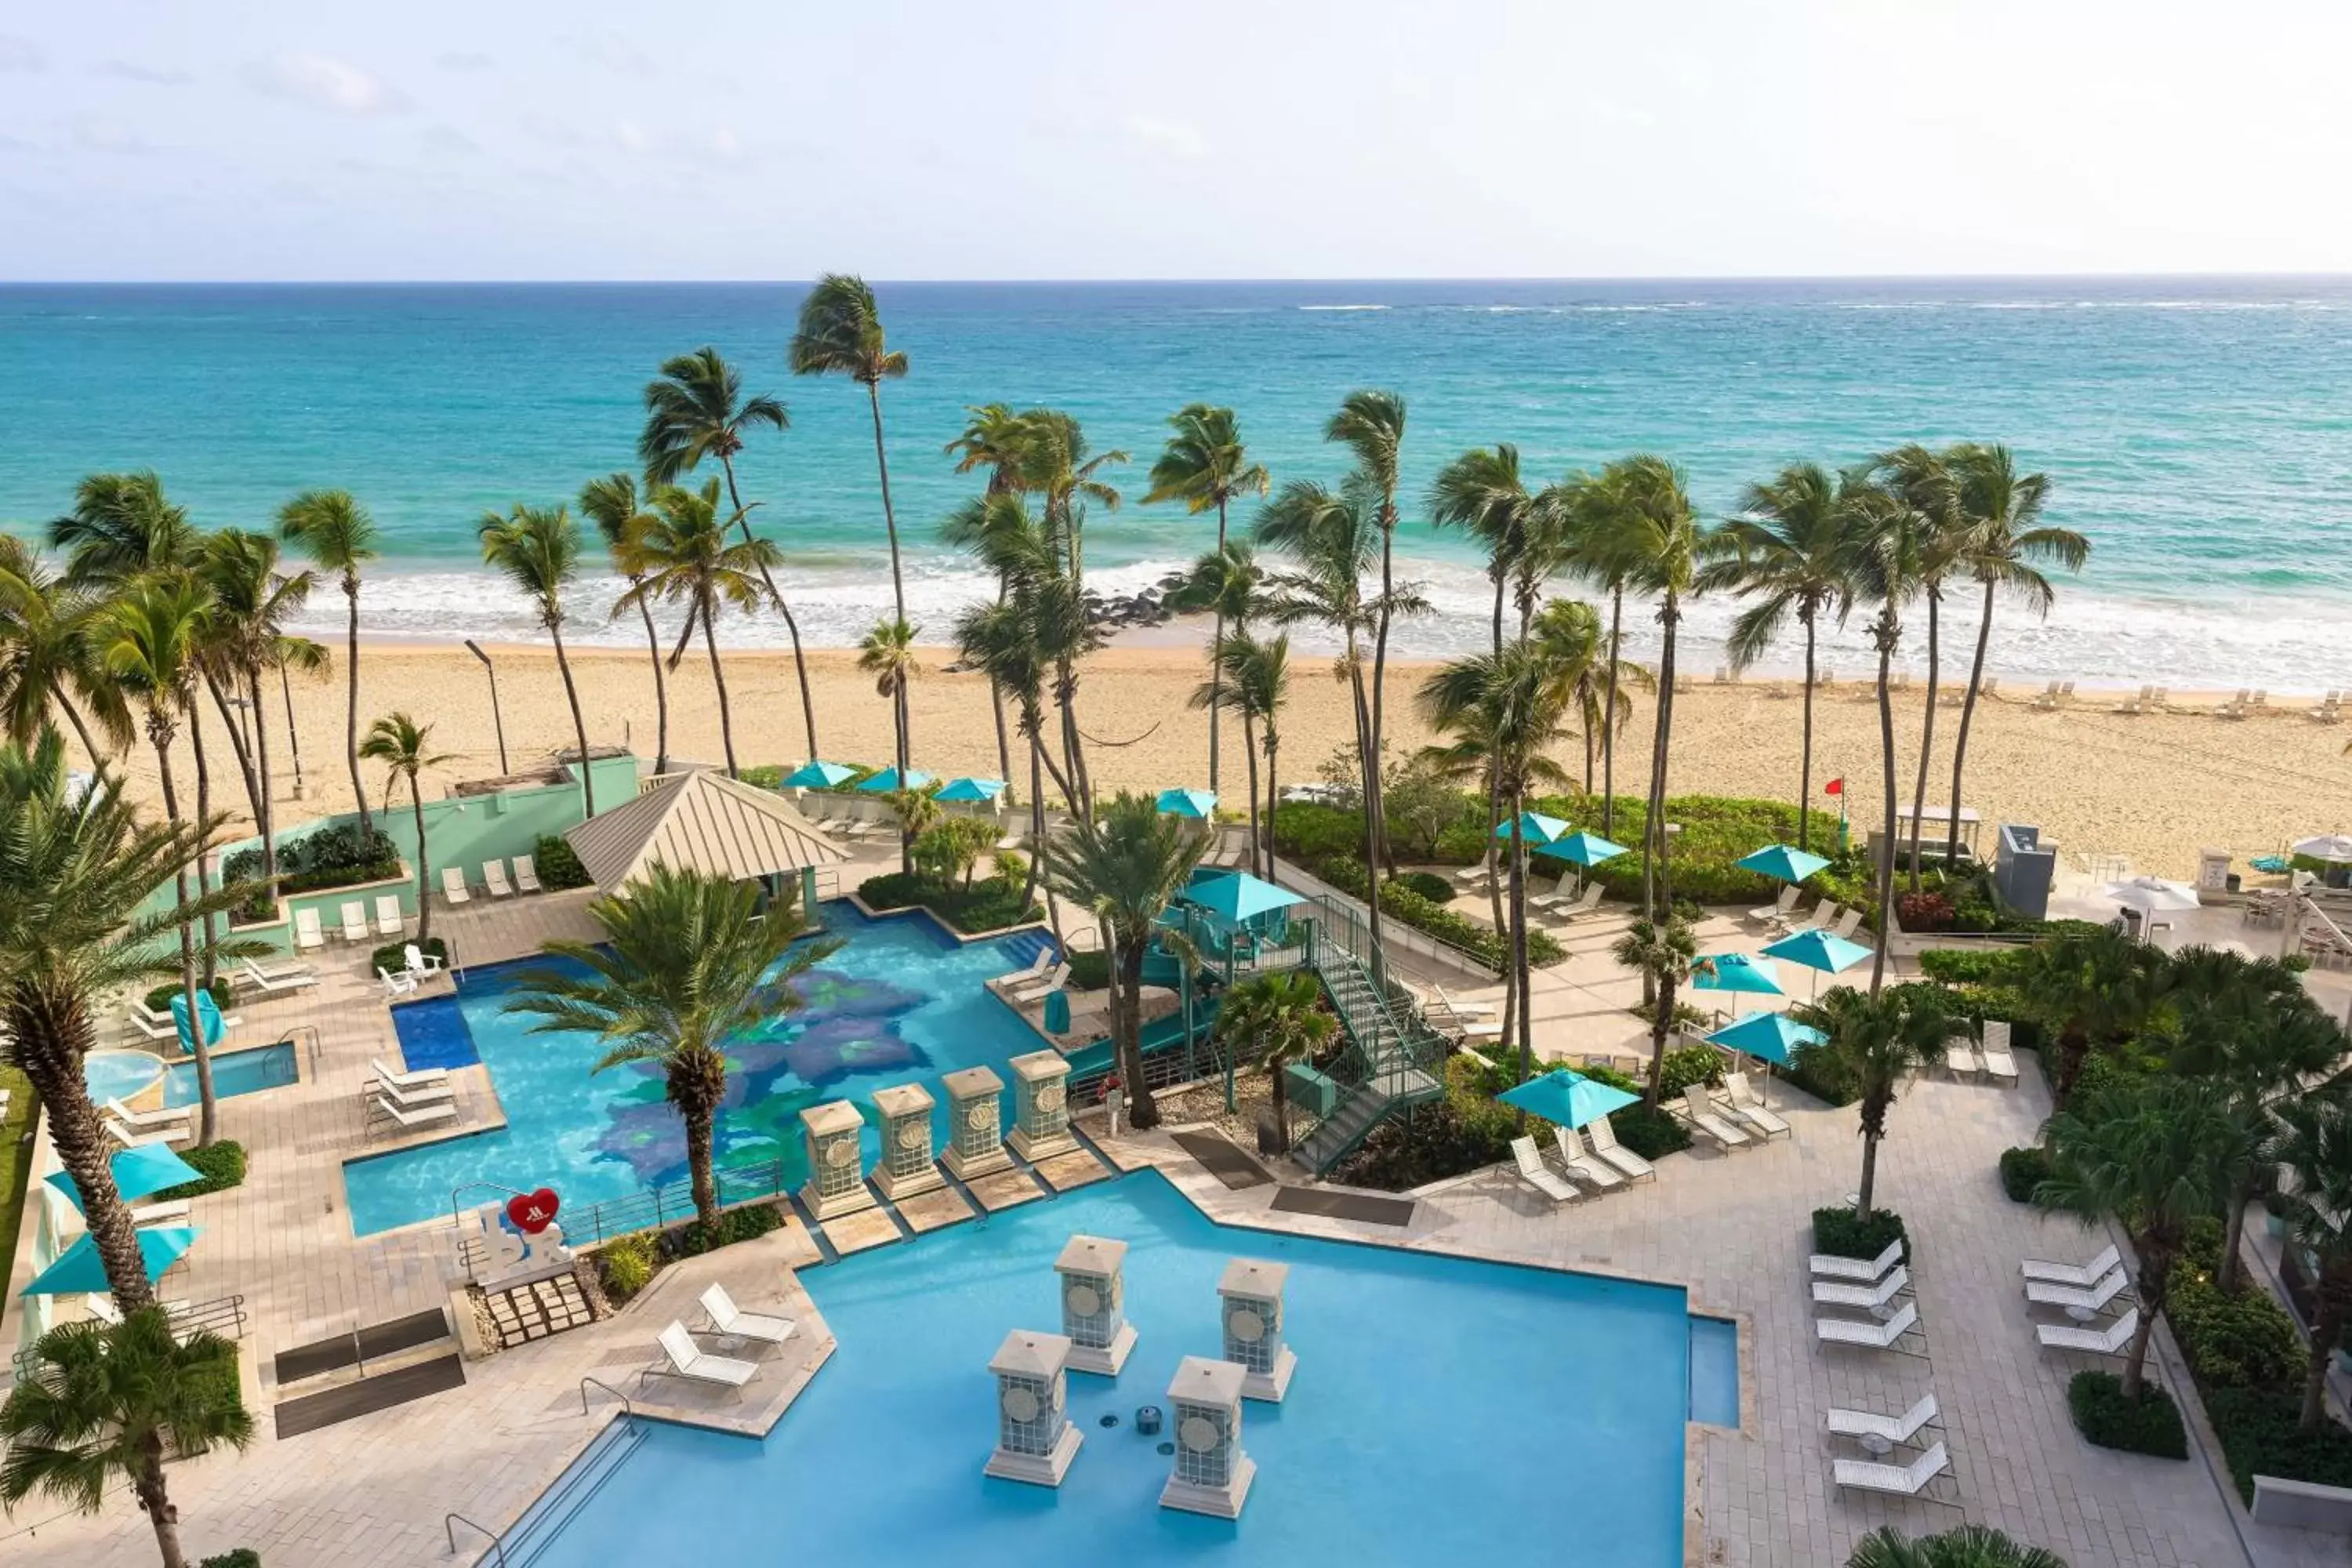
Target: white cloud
column 726, row 145
column 463, row 60
column 1172, row 137
column 323, row 81
column 21, row 54
column 448, row 139
column 131, row 70
column 106, row 136
column 631, row 136
column 538, row 128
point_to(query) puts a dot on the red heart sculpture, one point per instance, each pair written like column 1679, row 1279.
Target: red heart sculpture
column 533, row 1213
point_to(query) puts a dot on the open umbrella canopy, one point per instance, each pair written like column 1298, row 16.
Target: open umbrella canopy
column 2326, row 846
column 2151, row 893
column 138, row 1173
column 818, row 775
column 1736, row 971
column 1568, row 1098
column 1535, row 827
column 1771, row 1035
column 973, row 789
column 1583, row 848
column 1241, row 896
column 1200, row 803
column 1819, row 950
column 887, row 780
column 79, row 1270
column 1782, row 862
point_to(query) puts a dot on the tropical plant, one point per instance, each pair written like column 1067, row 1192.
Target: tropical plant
column 1371, row 426
column 696, row 409
column 1569, row 633
column 1887, row 569
column 887, row 654
column 121, row 527
column 109, row 1401
column 1585, row 507
column 405, row 748
column 1663, row 952
column 1205, row 465
column 338, row 536
column 538, row 550
column 252, row 601
column 50, row 660
column 1251, row 679
column 1925, row 485
column 2314, row 1147
column 610, row 503
column 1481, row 493
column 1278, row 1017
column 681, row 555
column 1125, row 866
column 1875, row 1040
column 687, row 962
column 1962, row 1546
column 2093, row 989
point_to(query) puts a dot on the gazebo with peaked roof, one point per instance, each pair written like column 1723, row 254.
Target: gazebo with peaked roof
column 703, row 821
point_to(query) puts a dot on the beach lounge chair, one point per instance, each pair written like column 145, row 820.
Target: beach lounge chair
column 389, row 920
column 1866, row 1332
column 307, row 933
column 410, row 1096
column 1822, row 914
column 2082, row 1302
column 355, row 921
column 162, row 1019
column 1564, row 890
column 1899, row 1481
column 2259, row 700
column 1537, row 1174
column 1684, row 683
column 276, row 979
column 1824, row 1265
column 1723, row 675
column 129, row 1139
column 408, row 1119
column 526, row 870
column 1447, row 1000
column 1034, row 990
column 1961, row 1055
column 1044, row 961
column 453, row 885
column 1699, row 1111
column 1465, row 1030
column 1875, row 1300
column 1777, row 911
column 727, row 1318
column 2048, row 698
column 172, row 1213
column 682, row 1359
column 2075, row 1274
column 1848, row 923
column 2109, row 1340
column 1587, row 903
column 402, row 984
column 1581, row 1165
column 148, row 1121
column 1605, row 1147
column 1998, row 1065
column 1880, row 1433
column 494, row 879
column 421, row 962
column 414, row 1078
column 1471, row 876
column 141, row 1024
column 1739, row 1097
column 1777, row 688
column 2233, row 706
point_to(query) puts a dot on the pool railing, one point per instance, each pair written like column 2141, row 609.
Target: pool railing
column 652, row 1208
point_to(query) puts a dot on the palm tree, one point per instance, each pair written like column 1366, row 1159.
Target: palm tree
column 681, row 555
column 1056, row 463
column 1886, row 570
column 610, row 503
column 337, row 533
column 1569, row 632
column 1001, row 641
column 2139, row 1152
column 840, row 333
column 1663, row 953
column 49, row 658
column 538, row 549
column 252, row 602
column 404, row 748
column 1205, row 465
column 1125, row 866
column 77, row 873
column 687, row 962
column 1481, row 493
column 2093, row 989
column 122, row 525
column 1585, row 505
column 2314, row 1147
column 1249, row 679
column 1921, row 478
column 108, row 1402
column 1279, row 1017
column 2004, row 546
column 1370, row 424
column 1962, row 1546
column 1875, row 1040
column 995, row 439
column 1789, row 551
column 887, row 654
column 696, row 410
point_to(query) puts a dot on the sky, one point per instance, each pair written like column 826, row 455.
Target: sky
column 1264, row 139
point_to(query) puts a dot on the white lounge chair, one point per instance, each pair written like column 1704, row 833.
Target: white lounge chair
column 1537, row 1174
column 276, row 979
column 307, row 933
column 409, row 1097
column 2082, row 1302
column 421, row 962
column 409, row 1119
column 164, row 1021
column 1563, row 891
column 2109, row 1340
column 166, row 1030
column 1461, row 1009
column 400, row 985
column 453, row 886
column 1698, row 1109
column 413, row 1078
column 1036, row 990
column 1828, row 1266
column 1581, row 1165
column 174, row 1212
column 389, row 920
column 1035, row 970
column 1468, row 1030
column 525, row 872
column 682, row 1358
column 355, row 921
column 727, row 1318
column 1471, row 876
column 494, row 878
column 2048, row 699
column 1822, row 914
column 1848, row 923
column 148, row 1121
column 1881, row 1433
column 2079, row 1275
column 1777, row 911
column 1864, row 1332
column 1900, row 1480
column 1960, row 1057
column 1875, row 1300
column 131, row 1140
column 1998, row 1065
column 1603, row 1139
column 1587, row 903
column 1739, row 1097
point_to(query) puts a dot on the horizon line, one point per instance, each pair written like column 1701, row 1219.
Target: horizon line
column 1659, row 277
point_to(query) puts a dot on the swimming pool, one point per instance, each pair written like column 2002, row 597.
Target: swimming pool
column 1444, row 1410
column 900, row 1002
column 123, row 1075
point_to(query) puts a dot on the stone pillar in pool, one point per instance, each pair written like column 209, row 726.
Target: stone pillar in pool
column 1211, row 1475
column 1250, row 1302
column 905, row 1166
column 975, row 1123
column 836, row 1183
column 1035, row 1440
column 1094, row 1304
column 1041, row 1106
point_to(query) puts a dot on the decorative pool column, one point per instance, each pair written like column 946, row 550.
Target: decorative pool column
column 1041, row 1106
column 1094, row 1304
column 836, row 1179
column 1211, row 1475
column 976, row 1137
column 1035, row 1440
column 1250, row 1302
column 905, row 1167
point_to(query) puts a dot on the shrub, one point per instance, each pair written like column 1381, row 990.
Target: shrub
column 1956, row 966
column 2148, row 1425
column 335, row 856
column 160, row 999
column 1924, row 911
column 2244, row 1340
column 626, row 1265
column 1649, row 1130
column 394, row 955
column 1841, row 1233
column 988, row 905
column 2021, row 1171
column 947, row 849
column 557, row 863
column 1688, row 1066
column 746, row 1223
column 243, row 1557
column 1817, row 1071
column 1426, row 884
column 223, row 1167
column 766, row 775
column 1089, row 971
column 1401, row 904
column 2261, row 1435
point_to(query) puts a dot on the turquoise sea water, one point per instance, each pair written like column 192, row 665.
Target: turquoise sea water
column 2199, row 430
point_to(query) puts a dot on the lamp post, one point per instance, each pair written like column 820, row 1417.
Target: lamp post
column 476, row 649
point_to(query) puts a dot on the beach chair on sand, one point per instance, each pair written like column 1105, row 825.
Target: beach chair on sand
column 494, row 877
column 526, row 870
column 1723, row 675
column 1699, row 1111
column 1897, row 1481
column 2232, row 708
column 2048, row 698
column 453, row 886
column 1537, row 1174
column 389, row 920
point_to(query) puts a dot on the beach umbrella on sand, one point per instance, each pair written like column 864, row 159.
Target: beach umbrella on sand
column 1194, row 803
column 1818, row 950
column 1586, row 849
column 2326, row 846
column 1535, row 827
column 1783, row 863
column 138, row 1173
column 888, row 782
column 80, row 1271
column 819, row 775
column 1567, row 1098
column 972, row 789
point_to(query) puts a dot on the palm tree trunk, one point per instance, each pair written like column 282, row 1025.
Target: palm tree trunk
column 153, row 1496
column 293, row 735
column 1609, row 735
column 792, row 626
column 1869, row 1172
column 1369, row 767
column 718, row 680
column 424, row 867
column 1520, row 943
column 1494, row 817
column 898, row 713
column 253, row 796
column 352, row 705
column 2154, row 1277
column 1037, row 826
column 1927, row 737
column 579, row 724
column 1217, row 676
column 697, row 1164
column 661, row 686
column 1887, row 851
column 209, row 948
column 1127, row 1007
column 1805, row 748
column 1249, row 752
column 89, row 746
column 1376, row 797
column 1273, row 745
column 162, row 737
column 2234, row 1230
column 2327, row 1331
column 889, row 516
column 1960, row 737
column 1665, row 756
column 51, row 1034
column 264, row 796
column 1004, row 739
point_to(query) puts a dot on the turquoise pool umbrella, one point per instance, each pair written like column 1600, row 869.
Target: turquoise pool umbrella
column 1535, row 827
column 80, row 1271
column 818, row 775
column 137, row 1174
column 973, row 789
column 1586, row 849
column 1736, row 972
column 1783, row 863
column 1200, row 803
column 1819, row 950
column 1568, row 1098
column 1241, row 896
column 886, row 780
column 1771, row 1035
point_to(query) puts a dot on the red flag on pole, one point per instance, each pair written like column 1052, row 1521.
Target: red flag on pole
column 1835, row 786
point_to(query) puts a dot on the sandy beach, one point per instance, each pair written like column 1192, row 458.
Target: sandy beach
column 2156, row 788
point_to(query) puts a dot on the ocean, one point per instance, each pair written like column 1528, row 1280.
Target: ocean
column 2199, row 431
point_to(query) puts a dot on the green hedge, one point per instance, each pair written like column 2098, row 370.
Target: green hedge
column 1716, row 830
column 1470, row 1130
column 990, row 904
column 2148, row 1425
column 1841, row 1233
column 243, row 1557
column 2244, row 1340
column 557, row 863
column 223, row 1167
column 393, row 956
column 1650, row 1130
column 1403, row 904
column 1688, row 1066
column 692, row 1240
column 1427, row 885
column 160, row 999
column 1090, row 970
column 1817, row 1071
column 2261, row 1435
column 2021, row 1171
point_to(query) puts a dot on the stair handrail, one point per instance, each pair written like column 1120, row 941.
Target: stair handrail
column 449, row 1525
column 626, row 1406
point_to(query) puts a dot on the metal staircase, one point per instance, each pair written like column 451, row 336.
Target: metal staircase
column 1394, row 1059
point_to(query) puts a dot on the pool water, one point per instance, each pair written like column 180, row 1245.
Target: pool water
column 900, row 1002
column 120, row 1074
column 1444, row 1411
column 233, row 1073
